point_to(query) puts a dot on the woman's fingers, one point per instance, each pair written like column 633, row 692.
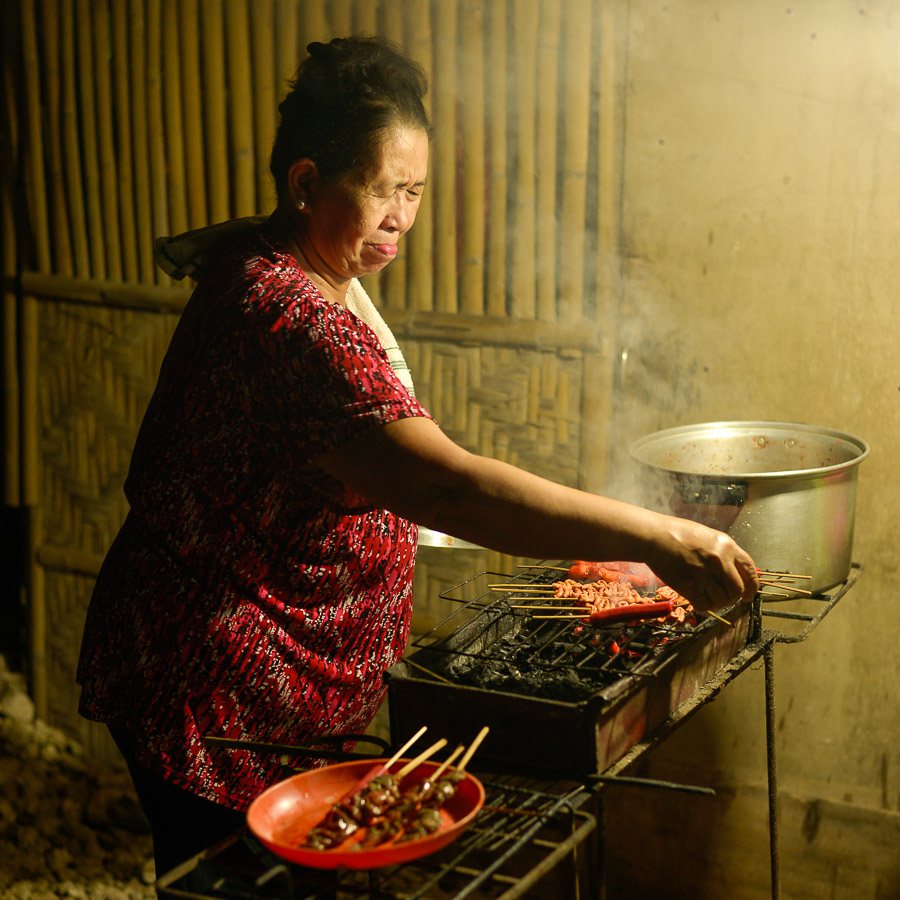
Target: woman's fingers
column 709, row 568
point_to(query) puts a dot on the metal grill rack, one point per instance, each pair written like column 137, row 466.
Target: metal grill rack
column 525, row 829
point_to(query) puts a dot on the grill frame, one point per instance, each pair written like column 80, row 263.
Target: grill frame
column 547, row 737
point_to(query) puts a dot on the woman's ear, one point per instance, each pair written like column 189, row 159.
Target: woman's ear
column 301, row 178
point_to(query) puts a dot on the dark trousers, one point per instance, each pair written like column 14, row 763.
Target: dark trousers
column 182, row 823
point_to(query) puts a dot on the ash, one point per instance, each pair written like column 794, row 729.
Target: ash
column 69, row 827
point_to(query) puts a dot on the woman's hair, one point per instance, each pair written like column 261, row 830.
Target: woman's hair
column 346, row 95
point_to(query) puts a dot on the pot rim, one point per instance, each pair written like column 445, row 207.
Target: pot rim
column 742, row 428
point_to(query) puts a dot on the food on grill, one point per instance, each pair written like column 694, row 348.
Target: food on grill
column 634, row 574
column 602, row 598
column 631, row 612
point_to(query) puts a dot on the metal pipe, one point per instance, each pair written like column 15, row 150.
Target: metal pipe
column 769, row 660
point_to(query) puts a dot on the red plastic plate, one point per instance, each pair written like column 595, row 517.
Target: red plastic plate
column 281, row 816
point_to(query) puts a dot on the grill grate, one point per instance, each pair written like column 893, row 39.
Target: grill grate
column 487, row 642
column 524, row 829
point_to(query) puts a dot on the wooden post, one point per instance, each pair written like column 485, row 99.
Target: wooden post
column 88, row 130
column 420, row 241
column 545, row 175
column 173, row 116
column 123, row 113
column 109, row 183
column 474, row 156
column 444, row 179
column 576, row 124
column 498, row 160
column 213, row 104
column 522, row 226
column 71, row 140
column 240, row 109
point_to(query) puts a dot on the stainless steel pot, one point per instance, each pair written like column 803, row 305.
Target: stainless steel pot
column 785, row 492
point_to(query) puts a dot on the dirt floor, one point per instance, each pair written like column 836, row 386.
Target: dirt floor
column 69, row 827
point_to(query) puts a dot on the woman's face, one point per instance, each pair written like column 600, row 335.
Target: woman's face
column 355, row 224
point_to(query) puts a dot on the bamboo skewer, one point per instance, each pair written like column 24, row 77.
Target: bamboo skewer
column 415, row 763
column 535, row 566
column 472, row 748
column 787, row 587
column 782, row 575
column 709, row 612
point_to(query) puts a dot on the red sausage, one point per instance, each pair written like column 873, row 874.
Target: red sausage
column 632, row 611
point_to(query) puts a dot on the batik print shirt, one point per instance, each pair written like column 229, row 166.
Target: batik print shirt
column 248, row 594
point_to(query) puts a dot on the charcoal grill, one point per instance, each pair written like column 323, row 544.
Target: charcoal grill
column 561, row 698
column 536, row 836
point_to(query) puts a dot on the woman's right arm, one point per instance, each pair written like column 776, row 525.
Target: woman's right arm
column 413, row 469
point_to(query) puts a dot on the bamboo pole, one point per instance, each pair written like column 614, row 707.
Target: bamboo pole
column 390, row 288
column 420, row 241
column 577, row 99
column 340, row 17
column 173, row 118
column 143, row 206
column 71, row 139
column 59, row 247
column 192, row 112
column 31, row 74
column 240, row 108
column 10, row 42
column 159, row 206
column 213, row 104
column 315, row 25
column 548, row 115
column 498, row 161
column 474, row 156
column 522, row 233
column 37, row 631
column 84, row 31
column 109, row 187
column 287, row 47
column 611, row 72
column 264, row 34
column 444, row 178
column 125, row 157
column 365, row 17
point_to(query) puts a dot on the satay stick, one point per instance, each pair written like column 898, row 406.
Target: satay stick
column 547, row 606
column 447, row 762
column 413, row 763
column 787, row 587
column 533, row 566
column 521, row 587
column 709, row 612
column 381, row 768
column 781, row 574
column 472, row 748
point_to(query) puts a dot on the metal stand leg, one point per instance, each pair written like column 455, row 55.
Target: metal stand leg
column 769, row 660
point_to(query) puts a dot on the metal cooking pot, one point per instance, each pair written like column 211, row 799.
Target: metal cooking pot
column 785, row 492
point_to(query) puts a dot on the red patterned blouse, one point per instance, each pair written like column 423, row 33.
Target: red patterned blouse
column 248, row 594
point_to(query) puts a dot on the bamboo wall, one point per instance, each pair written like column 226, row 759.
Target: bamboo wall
column 129, row 119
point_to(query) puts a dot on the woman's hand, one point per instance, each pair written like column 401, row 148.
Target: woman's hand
column 704, row 565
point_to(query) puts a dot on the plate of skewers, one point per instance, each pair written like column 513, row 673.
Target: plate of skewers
column 369, row 813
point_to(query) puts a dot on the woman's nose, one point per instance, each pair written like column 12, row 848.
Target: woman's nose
column 402, row 213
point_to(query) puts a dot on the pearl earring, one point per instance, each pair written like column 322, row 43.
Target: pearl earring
column 301, row 204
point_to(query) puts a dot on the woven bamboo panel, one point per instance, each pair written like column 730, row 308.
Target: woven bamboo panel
column 97, row 369
column 146, row 117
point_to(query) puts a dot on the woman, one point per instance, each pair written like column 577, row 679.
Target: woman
column 261, row 584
